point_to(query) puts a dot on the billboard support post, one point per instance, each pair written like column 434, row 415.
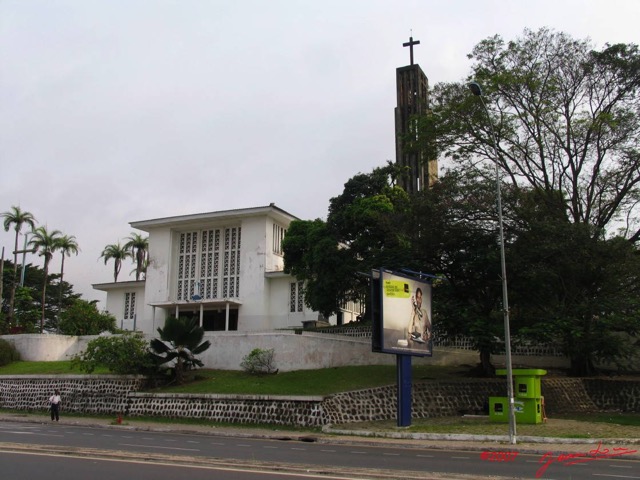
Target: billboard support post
column 403, row 364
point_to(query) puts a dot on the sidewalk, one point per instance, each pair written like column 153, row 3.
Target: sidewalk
column 627, row 447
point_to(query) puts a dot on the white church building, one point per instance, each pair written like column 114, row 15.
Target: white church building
column 225, row 268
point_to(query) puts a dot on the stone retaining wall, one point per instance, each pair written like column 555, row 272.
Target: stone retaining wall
column 610, row 394
column 98, row 394
column 431, row 399
column 113, row 395
column 274, row 410
column 566, row 395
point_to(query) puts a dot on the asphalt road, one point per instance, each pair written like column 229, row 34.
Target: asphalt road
column 23, row 467
column 150, row 450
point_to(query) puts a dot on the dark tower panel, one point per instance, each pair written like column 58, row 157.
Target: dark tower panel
column 413, row 99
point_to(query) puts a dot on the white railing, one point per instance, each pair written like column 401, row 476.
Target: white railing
column 518, row 347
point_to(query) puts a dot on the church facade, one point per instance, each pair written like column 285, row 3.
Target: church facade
column 225, row 268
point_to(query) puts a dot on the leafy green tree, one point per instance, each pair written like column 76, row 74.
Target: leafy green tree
column 179, row 343
column 34, row 279
column 365, row 229
column 313, row 255
column 566, row 286
column 18, row 218
column 46, row 242
column 138, row 246
column 124, row 354
column 117, row 253
column 27, row 311
column 67, row 245
column 83, row 318
column 372, row 225
column 574, row 288
column 566, row 118
column 567, row 124
column 454, row 236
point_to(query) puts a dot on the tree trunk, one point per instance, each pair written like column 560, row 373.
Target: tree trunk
column 486, row 367
column 116, row 269
column 139, row 262
column 12, row 298
column 44, row 293
column 60, row 287
column 179, row 370
column 582, row 366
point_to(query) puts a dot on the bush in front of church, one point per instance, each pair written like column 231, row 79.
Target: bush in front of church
column 8, row 353
column 259, row 362
column 125, row 354
column 83, row 318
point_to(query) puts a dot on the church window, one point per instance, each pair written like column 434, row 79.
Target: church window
column 209, row 264
column 278, row 236
column 296, row 298
column 187, row 258
column 129, row 305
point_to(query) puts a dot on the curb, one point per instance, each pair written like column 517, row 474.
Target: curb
column 460, row 437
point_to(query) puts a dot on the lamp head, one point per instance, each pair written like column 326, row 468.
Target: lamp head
column 475, row 88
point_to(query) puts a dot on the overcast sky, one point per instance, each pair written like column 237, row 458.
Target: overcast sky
column 115, row 111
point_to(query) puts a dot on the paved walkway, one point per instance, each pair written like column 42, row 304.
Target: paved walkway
column 627, row 447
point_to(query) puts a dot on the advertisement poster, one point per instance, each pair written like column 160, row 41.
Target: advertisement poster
column 405, row 314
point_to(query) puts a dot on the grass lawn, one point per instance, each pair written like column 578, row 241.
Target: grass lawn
column 307, row 382
column 299, row 382
column 44, row 368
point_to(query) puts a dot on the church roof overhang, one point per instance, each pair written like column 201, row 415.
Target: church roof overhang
column 215, row 303
column 277, row 274
column 183, row 221
column 105, row 287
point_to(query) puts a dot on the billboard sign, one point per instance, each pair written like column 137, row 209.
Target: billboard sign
column 402, row 316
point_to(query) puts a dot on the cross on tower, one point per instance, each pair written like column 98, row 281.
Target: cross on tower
column 410, row 44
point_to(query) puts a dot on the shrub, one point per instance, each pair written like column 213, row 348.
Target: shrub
column 8, row 353
column 179, row 343
column 259, row 361
column 4, row 325
column 83, row 318
column 122, row 354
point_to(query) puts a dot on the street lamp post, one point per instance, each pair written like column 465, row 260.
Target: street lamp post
column 477, row 91
column 24, row 252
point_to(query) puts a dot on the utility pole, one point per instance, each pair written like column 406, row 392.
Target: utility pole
column 24, row 258
column 24, row 251
column 477, row 91
column 1, row 276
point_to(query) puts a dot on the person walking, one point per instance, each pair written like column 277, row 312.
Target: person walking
column 54, row 402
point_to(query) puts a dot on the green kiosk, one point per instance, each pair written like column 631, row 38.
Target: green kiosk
column 528, row 399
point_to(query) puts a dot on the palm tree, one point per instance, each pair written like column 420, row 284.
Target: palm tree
column 138, row 246
column 118, row 253
column 17, row 217
column 67, row 245
column 47, row 243
column 180, row 341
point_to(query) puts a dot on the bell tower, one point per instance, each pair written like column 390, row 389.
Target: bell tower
column 412, row 88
